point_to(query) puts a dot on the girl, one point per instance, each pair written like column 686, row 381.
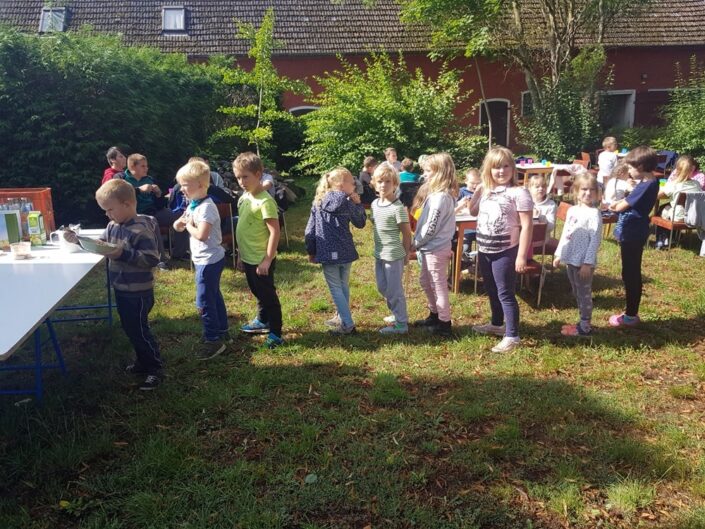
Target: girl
column 329, row 241
column 577, row 249
column 696, row 173
column 504, row 228
column 680, row 181
column 619, row 185
column 434, row 231
column 607, row 159
column 390, row 219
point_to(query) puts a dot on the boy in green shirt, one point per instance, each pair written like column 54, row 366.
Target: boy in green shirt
column 257, row 236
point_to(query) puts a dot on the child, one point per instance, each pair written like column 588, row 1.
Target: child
column 632, row 229
column 544, row 207
column 679, row 182
column 696, row 173
column 407, row 175
column 432, row 240
column 504, row 228
column 577, row 249
column 202, row 221
column 607, row 160
column 618, row 185
column 130, row 269
column 117, row 163
column 390, row 220
column 330, row 243
column 390, row 154
column 472, row 180
column 363, row 184
column 257, row 235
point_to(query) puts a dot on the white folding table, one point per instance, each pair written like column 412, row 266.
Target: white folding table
column 32, row 290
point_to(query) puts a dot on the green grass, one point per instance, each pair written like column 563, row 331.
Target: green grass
column 340, row 432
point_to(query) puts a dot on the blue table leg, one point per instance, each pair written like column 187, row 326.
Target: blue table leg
column 57, row 347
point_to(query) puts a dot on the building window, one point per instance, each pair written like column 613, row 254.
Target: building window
column 617, row 108
column 174, row 19
column 52, row 19
column 527, row 107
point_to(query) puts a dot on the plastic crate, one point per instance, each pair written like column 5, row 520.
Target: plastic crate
column 41, row 200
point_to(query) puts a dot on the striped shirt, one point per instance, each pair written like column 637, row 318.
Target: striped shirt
column 132, row 271
column 498, row 223
column 386, row 219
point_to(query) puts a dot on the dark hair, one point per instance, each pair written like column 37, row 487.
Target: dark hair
column 112, row 153
column 407, row 164
column 369, row 161
column 643, row 158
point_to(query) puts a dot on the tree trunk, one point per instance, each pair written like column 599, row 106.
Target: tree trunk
column 484, row 102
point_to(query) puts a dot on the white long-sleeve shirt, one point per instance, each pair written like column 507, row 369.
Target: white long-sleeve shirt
column 581, row 237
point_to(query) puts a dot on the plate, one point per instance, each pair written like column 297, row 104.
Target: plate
column 96, row 246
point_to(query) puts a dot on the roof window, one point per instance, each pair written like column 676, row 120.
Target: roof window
column 53, row 19
column 174, row 19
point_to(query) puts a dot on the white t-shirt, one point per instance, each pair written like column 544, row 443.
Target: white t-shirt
column 615, row 190
column 498, row 223
column 209, row 251
column 547, row 213
column 606, row 161
column 266, row 177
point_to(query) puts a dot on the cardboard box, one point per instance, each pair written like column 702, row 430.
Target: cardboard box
column 10, row 228
column 37, row 232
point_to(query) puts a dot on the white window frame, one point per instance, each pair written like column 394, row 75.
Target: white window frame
column 46, row 19
column 630, row 108
column 523, row 95
column 509, row 114
column 174, row 8
column 303, row 107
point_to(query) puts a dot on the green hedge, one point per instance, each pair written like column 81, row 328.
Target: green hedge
column 66, row 98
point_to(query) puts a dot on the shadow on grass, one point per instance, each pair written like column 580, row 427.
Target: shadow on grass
column 229, row 443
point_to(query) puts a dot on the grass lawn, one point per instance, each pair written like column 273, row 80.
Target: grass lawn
column 366, row 431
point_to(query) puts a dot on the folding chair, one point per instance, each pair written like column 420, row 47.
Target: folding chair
column 670, row 225
column 534, row 267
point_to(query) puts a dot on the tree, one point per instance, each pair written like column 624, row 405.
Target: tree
column 254, row 113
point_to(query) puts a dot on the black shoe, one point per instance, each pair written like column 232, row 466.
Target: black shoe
column 163, row 265
column 150, row 383
column 135, row 369
column 441, row 328
column 428, row 321
column 208, row 350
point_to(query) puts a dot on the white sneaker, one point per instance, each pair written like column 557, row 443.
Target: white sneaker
column 390, row 319
column 333, row 322
column 488, row 328
column 507, row 344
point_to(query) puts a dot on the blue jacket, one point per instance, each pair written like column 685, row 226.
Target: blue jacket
column 327, row 235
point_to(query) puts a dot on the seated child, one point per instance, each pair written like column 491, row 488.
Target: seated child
column 407, row 175
column 363, row 183
column 202, row 222
column 130, row 269
column 680, row 182
column 390, row 154
column 619, row 185
column 544, row 207
column 607, row 159
column 472, row 180
column 696, row 174
column 117, row 162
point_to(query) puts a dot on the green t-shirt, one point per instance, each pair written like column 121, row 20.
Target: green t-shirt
column 145, row 201
column 252, row 233
column 386, row 218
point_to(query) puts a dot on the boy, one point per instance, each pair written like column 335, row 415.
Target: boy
column 363, row 184
column 472, row 180
column 407, row 175
column 116, row 161
column 390, row 154
column 607, row 160
column 202, row 221
column 632, row 229
column 257, row 236
column 130, row 268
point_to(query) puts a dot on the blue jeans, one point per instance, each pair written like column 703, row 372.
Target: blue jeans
column 338, row 279
column 499, row 275
column 209, row 300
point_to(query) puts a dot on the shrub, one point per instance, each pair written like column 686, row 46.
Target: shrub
column 635, row 136
column 362, row 111
column 64, row 100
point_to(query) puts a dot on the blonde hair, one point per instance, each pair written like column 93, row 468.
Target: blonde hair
column 609, row 141
column 331, row 181
column 589, row 179
column 134, row 158
column 685, row 165
column 441, row 175
column 494, row 158
column 194, row 171
column 473, row 171
column 248, row 161
column 385, row 170
column 536, row 177
column 620, row 170
column 420, row 197
column 116, row 189
column 196, row 159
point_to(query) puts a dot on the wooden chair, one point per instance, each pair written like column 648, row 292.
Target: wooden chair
column 225, row 211
column 585, row 156
column 534, row 267
column 670, row 225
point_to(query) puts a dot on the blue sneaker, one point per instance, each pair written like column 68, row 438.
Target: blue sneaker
column 255, row 327
column 273, row 341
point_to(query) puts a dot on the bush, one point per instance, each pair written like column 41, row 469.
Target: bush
column 363, row 111
column 635, row 136
column 64, row 100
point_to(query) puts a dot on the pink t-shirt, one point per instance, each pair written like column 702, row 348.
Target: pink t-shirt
column 498, row 224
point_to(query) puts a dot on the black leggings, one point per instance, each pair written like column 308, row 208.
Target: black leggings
column 631, row 274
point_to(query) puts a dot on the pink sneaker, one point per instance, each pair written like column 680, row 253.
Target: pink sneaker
column 622, row 320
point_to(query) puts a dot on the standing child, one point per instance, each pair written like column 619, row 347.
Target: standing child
column 504, row 228
column 407, row 175
column 363, row 183
column 257, row 235
column 130, row 269
column 607, row 160
column 202, row 221
column 391, row 221
column 330, row 243
column 390, row 155
column 577, row 249
column 432, row 240
column 632, row 229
